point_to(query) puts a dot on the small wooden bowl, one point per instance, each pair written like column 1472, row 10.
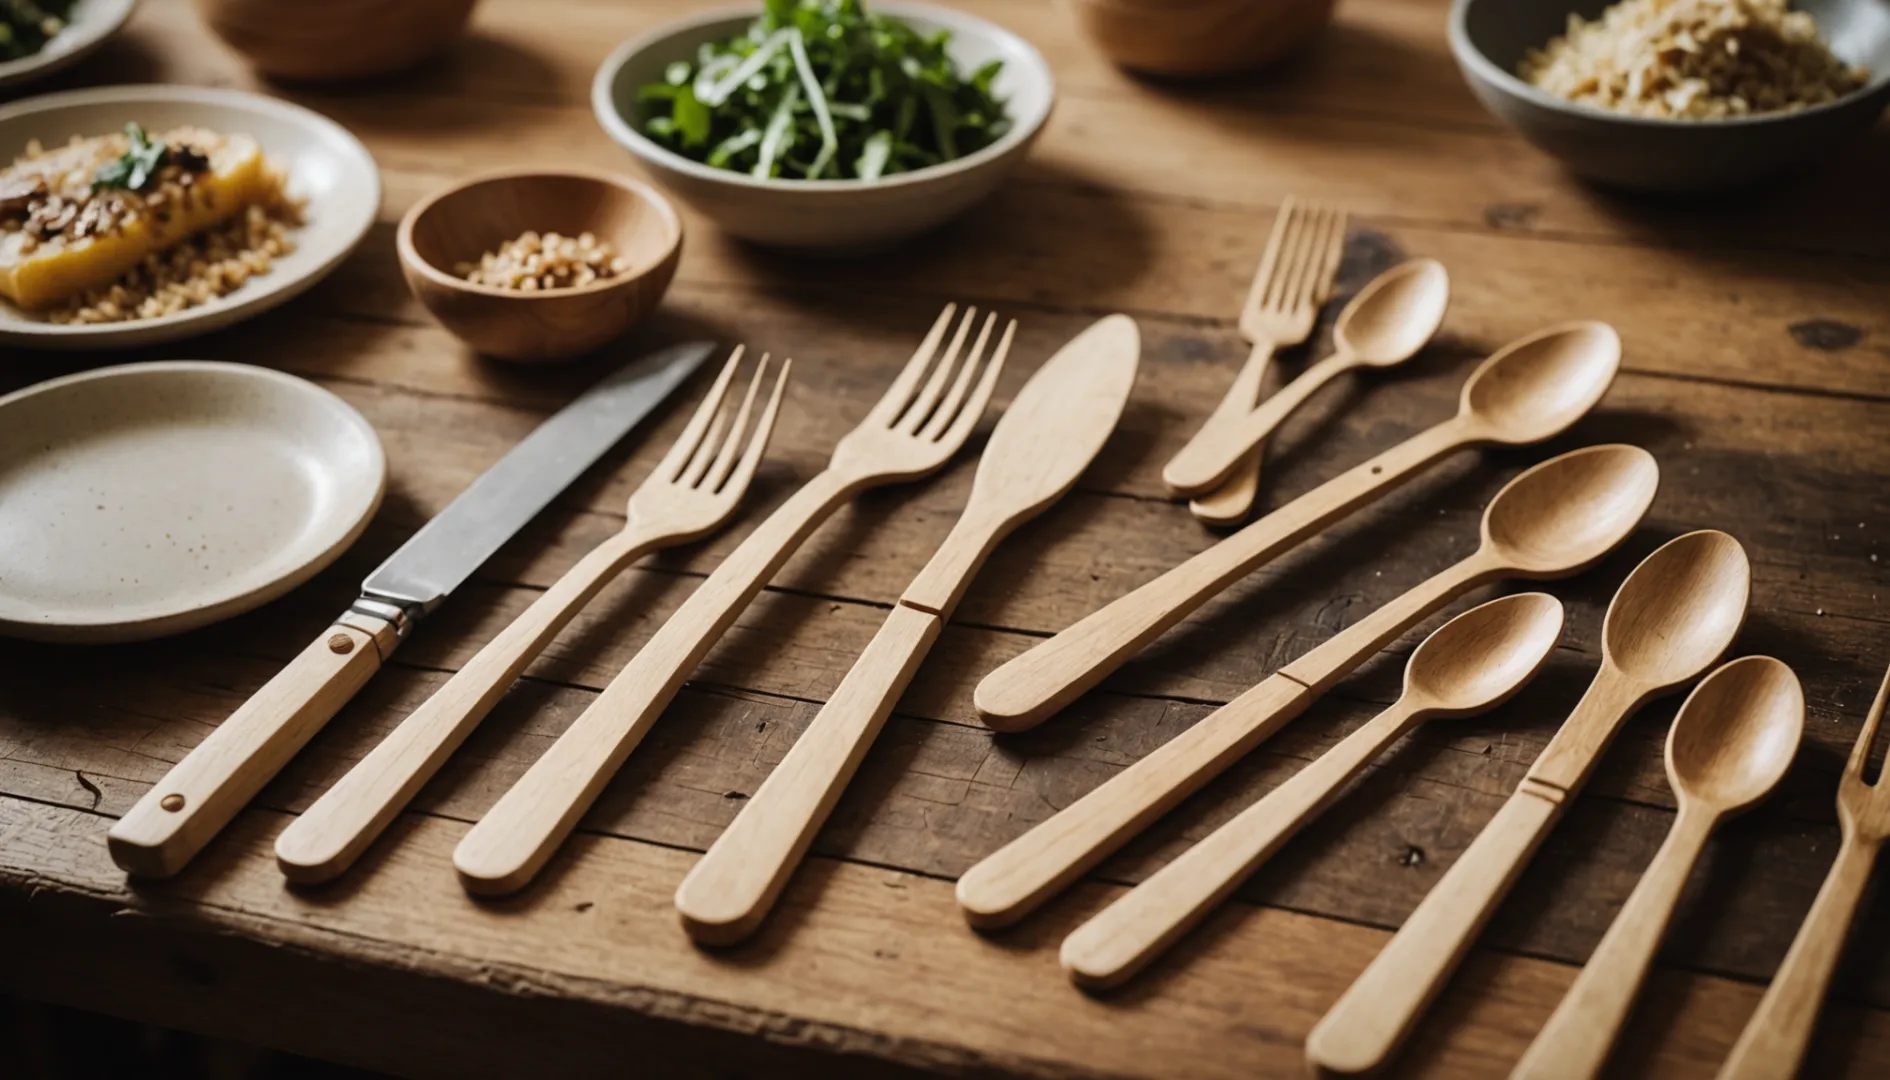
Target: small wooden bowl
column 1199, row 37
column 469, row 219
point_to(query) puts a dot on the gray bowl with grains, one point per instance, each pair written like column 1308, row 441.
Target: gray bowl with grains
column 1686, row 116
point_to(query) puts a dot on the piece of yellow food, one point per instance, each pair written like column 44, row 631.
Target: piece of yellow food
column 109, row 232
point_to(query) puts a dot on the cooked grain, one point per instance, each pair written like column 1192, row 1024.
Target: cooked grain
column 1692, row 60
column 533, row 263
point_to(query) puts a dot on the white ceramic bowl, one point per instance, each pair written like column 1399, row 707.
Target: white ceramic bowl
column 91, row 23
column 328, row 168
column 828, row 215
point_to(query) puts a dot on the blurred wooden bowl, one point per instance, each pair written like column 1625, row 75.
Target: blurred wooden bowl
column 469, row 219
column 1199, row 37
column 334, row 40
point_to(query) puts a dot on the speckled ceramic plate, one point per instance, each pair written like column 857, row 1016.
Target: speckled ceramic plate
column 327, row 167
column 90, row 24
column 150, row 499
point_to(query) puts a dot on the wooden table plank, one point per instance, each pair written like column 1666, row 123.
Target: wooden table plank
column 1755, row 373
column 855, row 963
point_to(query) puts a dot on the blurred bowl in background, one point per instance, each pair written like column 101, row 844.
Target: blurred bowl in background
column 335, row 40
column 1199, row 37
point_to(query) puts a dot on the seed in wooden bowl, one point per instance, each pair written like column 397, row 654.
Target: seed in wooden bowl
column 535, row 263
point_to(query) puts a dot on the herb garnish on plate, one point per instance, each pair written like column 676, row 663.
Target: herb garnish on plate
column 825, row 90
column 134, row 169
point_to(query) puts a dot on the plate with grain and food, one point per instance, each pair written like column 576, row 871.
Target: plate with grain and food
column 135, row 215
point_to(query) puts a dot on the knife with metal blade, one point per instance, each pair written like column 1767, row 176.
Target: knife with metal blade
column 201, row 793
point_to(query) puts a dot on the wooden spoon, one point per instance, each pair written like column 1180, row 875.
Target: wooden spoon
column 1383, row 326
column 1473, row 663
column 1555, row 519
column 1532, row 390
column 1672, row 617
column 1728, row 748
column 1053, row 429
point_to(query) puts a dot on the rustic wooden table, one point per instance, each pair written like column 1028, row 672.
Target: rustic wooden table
column 1758, row 371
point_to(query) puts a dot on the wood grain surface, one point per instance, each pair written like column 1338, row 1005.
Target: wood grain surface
column 1756, row 369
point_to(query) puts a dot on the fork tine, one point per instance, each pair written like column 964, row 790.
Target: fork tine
column 893, row 401
column 921, row 407
column 1312, row 273
column 1860, row 754
column 685, row 447
column 758, row 442
column 1292, row 258
column 725, row 456
column 948, row 408
column 1270, row 261
column 960, row 430
column 705, row 451
column 1335, row 256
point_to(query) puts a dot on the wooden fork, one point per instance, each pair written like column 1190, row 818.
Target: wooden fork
column 912, row 432
column 689, row 494
column 1294, row 279
column 1774, row 1042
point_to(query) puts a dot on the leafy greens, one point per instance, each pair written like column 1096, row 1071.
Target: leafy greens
column 825, row 90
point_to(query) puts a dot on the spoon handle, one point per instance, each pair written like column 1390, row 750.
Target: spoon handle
column 331, row 834
column 1121, row 939
column 1575, row 1043
column 1013, row 880
column 1217, row 448
column 1379, row 1009
column 1029, row 688
column 1775, row 1039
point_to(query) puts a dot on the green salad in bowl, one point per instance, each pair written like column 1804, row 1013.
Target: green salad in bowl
column 825, row 90
column 826, row 125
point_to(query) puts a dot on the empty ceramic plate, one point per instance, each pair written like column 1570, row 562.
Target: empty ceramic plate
column 150, row 499
column 326, row 168
column 88, row 25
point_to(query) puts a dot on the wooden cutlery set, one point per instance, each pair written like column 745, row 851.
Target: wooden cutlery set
column 1671, row 620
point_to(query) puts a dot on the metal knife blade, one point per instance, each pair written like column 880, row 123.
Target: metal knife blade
column 498, row 503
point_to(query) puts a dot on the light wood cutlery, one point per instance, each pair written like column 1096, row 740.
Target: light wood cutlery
column 689, row 494
column 1295, row 277
column 917, row 426
column 1556, row 519
column 1383, row 326
column 1470, row 665
column 1050, row 432
column 1670, row 620
column 1728, row 748
column 1773, row 1044
column 1531, row 390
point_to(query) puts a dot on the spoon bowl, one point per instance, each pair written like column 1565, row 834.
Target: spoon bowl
column 1477, row 660
column 1679, row 610
column 1737, row 733
column 1535, row 388
column 1565, row 514
column 1394, row 314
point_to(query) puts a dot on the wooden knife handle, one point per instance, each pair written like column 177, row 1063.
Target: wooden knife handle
column 201, row 793
column 1375, row 1014
column 1015, row 879
column 330, row 835
column 732, row 888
